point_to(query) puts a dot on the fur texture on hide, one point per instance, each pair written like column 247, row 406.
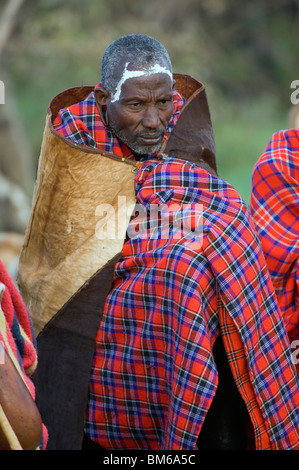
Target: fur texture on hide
column 63, row 247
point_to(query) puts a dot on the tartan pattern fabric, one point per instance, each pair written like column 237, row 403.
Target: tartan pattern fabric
column 17, row 335
column 274, row 207
column 83, row 124
column 174, row 291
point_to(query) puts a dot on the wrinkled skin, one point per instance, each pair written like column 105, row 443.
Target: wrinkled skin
column 141, row 115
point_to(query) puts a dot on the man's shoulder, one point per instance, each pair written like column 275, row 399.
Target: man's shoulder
column 79, row 110
column 284, row 139
column 216, row 195
column 80, row 122
column 281, row 154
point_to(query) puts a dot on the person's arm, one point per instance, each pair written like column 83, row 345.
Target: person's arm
column 18, row 407
column 275, row 211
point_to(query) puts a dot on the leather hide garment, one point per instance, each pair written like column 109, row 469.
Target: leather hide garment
column 62, row 248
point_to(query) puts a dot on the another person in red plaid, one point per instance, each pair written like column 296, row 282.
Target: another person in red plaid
column 20, row 422
column 191, row 349
column 274, row 207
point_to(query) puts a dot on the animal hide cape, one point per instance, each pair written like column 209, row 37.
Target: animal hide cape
column 62, row 247
column 64, row 242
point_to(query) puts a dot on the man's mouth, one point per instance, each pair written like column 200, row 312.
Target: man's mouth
column 150, row 139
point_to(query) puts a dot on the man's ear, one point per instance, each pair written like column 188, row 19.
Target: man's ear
column 101, row 96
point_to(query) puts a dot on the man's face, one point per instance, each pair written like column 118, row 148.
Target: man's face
column 141, row 114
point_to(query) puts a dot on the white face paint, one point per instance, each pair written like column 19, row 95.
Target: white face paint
column 137, row 73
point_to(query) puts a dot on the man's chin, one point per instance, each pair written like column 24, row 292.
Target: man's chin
column 145, row 149
column 138, row 148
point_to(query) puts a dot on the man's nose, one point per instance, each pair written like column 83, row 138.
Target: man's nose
column 151, row 118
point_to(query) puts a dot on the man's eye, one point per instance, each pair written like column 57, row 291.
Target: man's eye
column 164, row 102
column 137, row 104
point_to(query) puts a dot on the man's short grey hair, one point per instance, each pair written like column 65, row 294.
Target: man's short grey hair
column 141, row 50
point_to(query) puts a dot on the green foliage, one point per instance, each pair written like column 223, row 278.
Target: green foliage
column 242, row 132
column 245, row 52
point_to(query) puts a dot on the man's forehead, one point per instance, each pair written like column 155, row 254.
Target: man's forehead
column 129, row 71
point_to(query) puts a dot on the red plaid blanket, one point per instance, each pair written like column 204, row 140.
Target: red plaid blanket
column 275, row 210
column 82, row 124
column 175, row 291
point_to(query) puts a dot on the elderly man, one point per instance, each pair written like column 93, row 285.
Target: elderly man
column 134, row 108
column 189, row 346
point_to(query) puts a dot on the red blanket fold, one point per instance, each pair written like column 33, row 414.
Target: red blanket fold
column 187, row 275
column 274, row 207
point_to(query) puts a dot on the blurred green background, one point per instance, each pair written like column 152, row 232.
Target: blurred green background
column 245, row 52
